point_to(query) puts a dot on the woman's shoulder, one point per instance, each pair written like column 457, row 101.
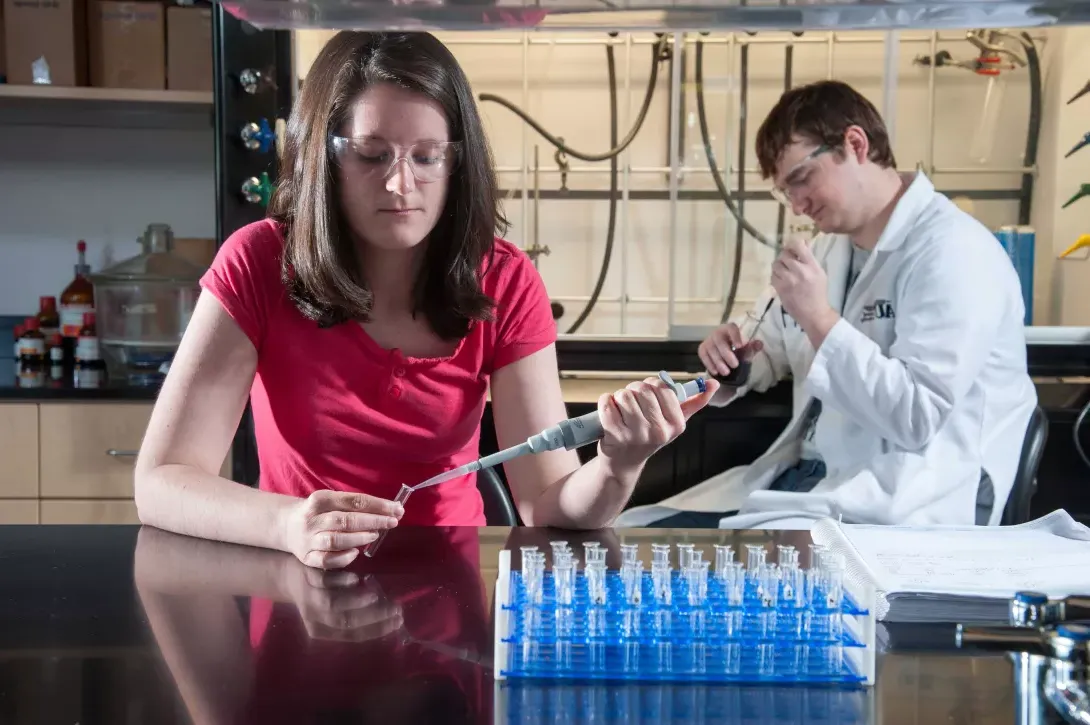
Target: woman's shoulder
column 508, row 270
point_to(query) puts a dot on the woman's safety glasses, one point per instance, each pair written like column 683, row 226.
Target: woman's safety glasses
column 428, row 160
column 799, row 178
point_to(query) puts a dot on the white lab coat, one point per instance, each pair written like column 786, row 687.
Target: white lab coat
column 923, row 383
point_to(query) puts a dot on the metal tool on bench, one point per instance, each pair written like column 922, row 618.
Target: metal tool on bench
column 1051, row 654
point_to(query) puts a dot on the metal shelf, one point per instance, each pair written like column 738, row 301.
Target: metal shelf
column 656, row 15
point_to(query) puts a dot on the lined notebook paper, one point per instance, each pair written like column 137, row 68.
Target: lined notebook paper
column 962, row 574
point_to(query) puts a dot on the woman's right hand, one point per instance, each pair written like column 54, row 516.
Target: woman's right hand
column 327, row 529
column 721, row 350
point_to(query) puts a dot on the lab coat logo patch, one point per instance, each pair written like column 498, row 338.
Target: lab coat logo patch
column 880, row 310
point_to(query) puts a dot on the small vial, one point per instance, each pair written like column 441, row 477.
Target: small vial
column 768, row 587
column 558, row 547
column 697, row 579
column 596, row 582
column 630, row 553
column 793, row 586
column 734, row 584
column 684, row 556
column 527, row 557
column 832, row 579
column 660, row 554
column 724, row 557
column 589, row 551
column 632, row 580
column 660, row 580
column 564, row 577
column 755, row 556
column 787, row 557
column 815, row 554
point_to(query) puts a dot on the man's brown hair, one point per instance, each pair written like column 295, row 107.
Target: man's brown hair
column 821, row 113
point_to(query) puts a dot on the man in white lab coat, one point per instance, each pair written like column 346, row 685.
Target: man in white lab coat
column 902, row 328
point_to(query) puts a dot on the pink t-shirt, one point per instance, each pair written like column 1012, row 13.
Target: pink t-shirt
column 332, row 409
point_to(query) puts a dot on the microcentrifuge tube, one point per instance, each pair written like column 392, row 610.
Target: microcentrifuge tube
column 401, row 497
column 660, row 554
column 832, row 566
column 564, row 579
column 697, row 579
column 684, row 556
column 589, row 551
column 793, row 588
column 724, row 555
column 632, row 580
column 596, row 582
column 768, row 576
column 734, row 583
column 755, row 557
column 660, row 580
column 527, row 557
column 787, row 557
column 815, row 554
column 629, row 553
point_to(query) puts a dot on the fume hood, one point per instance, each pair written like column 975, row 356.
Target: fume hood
column 643, row 15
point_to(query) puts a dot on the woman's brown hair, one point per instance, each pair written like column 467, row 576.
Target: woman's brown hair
column 321, row 268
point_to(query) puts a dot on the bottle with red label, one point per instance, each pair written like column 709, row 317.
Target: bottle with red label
column 89, row 367
column 78, row 297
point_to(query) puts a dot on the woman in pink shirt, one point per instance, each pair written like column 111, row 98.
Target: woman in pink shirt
column 367, row 319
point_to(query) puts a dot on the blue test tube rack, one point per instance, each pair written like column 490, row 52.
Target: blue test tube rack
column 754, row 623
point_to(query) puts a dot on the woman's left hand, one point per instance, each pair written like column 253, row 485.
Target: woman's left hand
column 643, row 417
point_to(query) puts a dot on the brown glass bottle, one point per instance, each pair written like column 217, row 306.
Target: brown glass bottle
column 78, row 297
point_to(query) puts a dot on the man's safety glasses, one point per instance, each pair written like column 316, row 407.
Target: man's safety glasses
column 799, row 177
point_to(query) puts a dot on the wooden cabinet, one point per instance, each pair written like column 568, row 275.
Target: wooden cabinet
column 72, row 462
column 88, row 450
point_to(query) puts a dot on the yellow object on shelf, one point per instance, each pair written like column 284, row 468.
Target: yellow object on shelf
column 1082, row 241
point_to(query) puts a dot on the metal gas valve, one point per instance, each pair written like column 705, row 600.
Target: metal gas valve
column 257, row 136
column 258, row 190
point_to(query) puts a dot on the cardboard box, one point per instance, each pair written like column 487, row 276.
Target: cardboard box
column 2, row 58
column 127, row 44
column 46, row 42
column 189, row 49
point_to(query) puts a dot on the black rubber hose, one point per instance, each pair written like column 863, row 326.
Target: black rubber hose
column 739, row 233
column 656, row 58
column 1033, row 133
column 709, row 153
column 611, row 229
column 788, row 71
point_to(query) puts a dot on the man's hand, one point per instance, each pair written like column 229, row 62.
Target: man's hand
column 802, row 287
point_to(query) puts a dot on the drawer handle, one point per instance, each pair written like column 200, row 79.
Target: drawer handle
column 121, row 454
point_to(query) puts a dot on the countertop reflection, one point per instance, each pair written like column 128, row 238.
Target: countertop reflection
column 136, row 625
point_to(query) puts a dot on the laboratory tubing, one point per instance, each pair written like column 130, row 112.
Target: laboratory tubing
column 724, row 557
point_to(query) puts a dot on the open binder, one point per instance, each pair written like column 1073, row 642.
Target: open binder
column 961, row 573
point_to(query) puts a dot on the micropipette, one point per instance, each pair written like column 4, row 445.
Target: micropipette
column 567, row 434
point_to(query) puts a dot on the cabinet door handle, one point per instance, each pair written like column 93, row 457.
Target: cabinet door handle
column 116, row 453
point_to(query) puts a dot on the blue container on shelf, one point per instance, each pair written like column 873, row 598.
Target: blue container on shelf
column 1019, row 242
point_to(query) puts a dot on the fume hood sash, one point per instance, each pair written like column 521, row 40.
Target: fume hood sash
column 656, row 15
